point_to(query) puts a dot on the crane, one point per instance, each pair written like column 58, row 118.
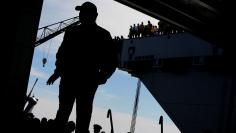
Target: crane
column 48, row 32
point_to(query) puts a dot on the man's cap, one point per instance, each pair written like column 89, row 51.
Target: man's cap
column 87, row 7
column 96, row 126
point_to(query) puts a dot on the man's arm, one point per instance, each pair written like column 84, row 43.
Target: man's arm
column 57, row 71
column 110, row 60
column 59, row 62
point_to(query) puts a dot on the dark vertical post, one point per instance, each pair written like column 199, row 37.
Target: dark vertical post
column 110, row 115
column 161, row 123
column 20, row 31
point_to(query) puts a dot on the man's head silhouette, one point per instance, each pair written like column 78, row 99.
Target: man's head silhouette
column 88, row 12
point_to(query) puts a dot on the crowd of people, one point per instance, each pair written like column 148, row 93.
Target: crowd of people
column 162, row 28
column 32, row 124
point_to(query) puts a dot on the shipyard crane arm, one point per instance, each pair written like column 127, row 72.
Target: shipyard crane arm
column 48, row 32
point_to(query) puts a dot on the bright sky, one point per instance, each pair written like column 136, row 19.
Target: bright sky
column 118, row 93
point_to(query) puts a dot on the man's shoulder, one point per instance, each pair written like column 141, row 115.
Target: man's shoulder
column 72, row 29
column 102, row 30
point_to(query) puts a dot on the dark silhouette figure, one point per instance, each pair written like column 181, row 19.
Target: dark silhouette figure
column 70, row 127
column 86, row 58
column 43, row 124
column 96, row 128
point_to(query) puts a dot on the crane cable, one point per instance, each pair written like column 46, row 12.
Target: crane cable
column 44, row 60
column 134, row 115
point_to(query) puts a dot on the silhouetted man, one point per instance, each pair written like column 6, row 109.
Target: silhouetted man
column 85, row 59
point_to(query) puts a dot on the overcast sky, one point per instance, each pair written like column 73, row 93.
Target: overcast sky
column 118, row 93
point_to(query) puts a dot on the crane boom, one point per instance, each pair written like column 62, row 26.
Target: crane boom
column 48, row 32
